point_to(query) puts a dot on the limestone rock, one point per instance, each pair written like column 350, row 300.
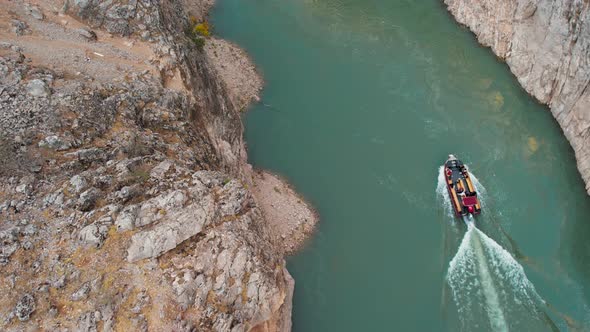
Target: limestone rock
column 8, row 244
column 38, row 88
column 30, row 230
column 142, row 299
column 88, row 198
column 158, row 207
column 55, row 198
column 88, row 322
column 159, row 172
column 87, row 34
column 19, row 27
column 35, row 12
column 54, row 142
column 25, row 307
column 81, row 293
column 90, row 155
column 125, row 194
column 126, row 219
column 79, row 183
column 93, row 235
column 174, row 225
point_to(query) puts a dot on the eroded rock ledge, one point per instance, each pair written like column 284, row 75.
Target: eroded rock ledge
column 546, row 44
column 126, row 202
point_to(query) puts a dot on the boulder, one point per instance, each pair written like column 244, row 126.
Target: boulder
column 19, row 27
column 93, row 235
column 78, row 183
column 87, row 34
column 36, row 13
column 54, row 142
column 88, row 199
column 126, row 219
column 174, row 226
column 25, row 307
column 38, row 88
column 81, row 293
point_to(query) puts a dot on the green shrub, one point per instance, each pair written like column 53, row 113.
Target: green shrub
column 197, row 32
column 15, row 162
column 199, row 41
column 140, row 176
column 202, row 29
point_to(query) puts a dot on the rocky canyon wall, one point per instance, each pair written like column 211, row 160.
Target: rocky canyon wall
column 126, row 203
column 546, row 44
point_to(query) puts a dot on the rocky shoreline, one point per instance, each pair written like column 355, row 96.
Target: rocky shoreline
column 126, row 200
column 292, row 222
column 546, row 44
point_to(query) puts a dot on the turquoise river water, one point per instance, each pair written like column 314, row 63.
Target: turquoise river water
column 363, row 101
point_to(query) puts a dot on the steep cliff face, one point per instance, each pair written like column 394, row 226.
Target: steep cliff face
column 126, row 202
column 546, row 44
column 169, row 23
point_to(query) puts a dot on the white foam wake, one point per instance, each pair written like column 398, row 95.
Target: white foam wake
column 489, row 287
column 470, row 263
column 493, row 306
column 486, row 281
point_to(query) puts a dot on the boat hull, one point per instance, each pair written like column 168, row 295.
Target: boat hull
column 462, row 193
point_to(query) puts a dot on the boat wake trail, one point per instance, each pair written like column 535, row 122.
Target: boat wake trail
column 489, row 287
